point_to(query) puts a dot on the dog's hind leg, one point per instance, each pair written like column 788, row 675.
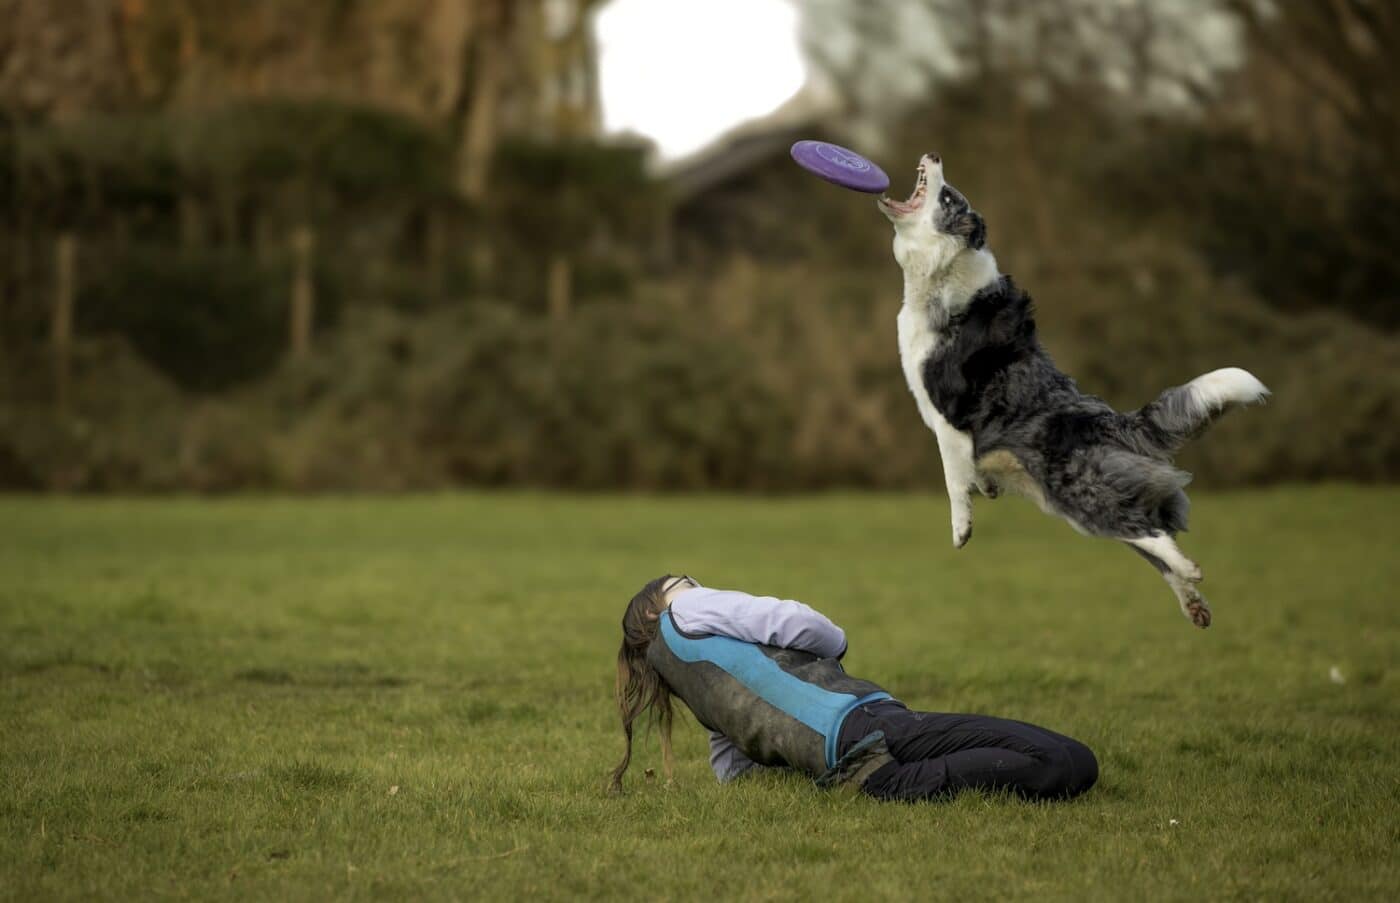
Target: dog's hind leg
column 1181, row 573
column 1164, row 549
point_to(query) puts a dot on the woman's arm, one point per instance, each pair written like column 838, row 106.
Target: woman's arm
column 726, row 759
column 758, row 619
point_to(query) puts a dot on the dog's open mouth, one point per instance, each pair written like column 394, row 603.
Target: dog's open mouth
column 915, row 200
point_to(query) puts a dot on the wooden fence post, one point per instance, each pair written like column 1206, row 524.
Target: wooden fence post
column 436, row 253
column 61, row 326
column 303, row 309
column 560, row 289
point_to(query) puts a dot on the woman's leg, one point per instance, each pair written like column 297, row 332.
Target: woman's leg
column 941, row 754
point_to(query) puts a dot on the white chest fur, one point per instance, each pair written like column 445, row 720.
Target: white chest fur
column 918, row 338
column 930, row 299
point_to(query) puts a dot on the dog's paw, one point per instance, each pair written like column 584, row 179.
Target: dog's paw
column 1198, row 611
column 988, row 487
column 961, row 534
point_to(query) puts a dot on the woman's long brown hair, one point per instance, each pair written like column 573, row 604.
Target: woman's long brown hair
column 639, row 687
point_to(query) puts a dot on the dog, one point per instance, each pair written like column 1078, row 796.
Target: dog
column 1007, row 419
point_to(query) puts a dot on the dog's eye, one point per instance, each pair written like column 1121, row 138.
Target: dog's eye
column 944, row 197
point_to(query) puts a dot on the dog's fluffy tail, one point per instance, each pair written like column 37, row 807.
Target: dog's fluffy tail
column 1183, row 412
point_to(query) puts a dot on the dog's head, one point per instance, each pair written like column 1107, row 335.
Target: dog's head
column 936, row 223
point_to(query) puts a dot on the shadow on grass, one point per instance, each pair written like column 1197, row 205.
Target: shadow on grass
column 65, row 658
column 143, row 813
column 480, row 711
column 310, row 776
column 1012, row 681
column 346, row 676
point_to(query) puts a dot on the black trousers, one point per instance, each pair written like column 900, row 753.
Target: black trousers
column 937, row 755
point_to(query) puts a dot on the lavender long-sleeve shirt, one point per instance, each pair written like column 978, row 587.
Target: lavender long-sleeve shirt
column 753, row 619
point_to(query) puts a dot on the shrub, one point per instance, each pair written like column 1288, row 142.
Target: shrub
column 207, row 319
column 758, row 378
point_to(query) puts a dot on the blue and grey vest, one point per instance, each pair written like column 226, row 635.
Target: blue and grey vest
column 779, row 706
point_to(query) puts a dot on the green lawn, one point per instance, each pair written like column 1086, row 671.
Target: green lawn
column 410, row 697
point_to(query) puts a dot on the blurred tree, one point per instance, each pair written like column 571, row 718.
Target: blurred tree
column 484, row 69
column 60, row 59
column 1032, row 80
column 1306, row 201
column 888, row 56
column 1341, row 58
column 478, row 124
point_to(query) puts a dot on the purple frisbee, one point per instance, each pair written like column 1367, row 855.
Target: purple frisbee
column 840, row 165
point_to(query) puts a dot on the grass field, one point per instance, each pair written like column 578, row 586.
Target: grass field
column 410, row 697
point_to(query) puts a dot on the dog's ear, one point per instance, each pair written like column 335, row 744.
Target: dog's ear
column 973, row 228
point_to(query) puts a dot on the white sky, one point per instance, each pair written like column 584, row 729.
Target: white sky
column 683, row 71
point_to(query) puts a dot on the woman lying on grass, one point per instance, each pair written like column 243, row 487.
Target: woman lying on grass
column 764, row 675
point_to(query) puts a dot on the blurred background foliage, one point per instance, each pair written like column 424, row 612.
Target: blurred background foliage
column 384, row 245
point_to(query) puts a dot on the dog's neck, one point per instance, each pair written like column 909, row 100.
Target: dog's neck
column 947, row 290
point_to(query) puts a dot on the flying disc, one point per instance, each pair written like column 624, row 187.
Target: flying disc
column 840, row 165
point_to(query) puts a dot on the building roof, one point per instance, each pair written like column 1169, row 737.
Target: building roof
column 748, row 145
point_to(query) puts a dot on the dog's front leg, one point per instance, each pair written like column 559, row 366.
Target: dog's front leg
column 960, row 475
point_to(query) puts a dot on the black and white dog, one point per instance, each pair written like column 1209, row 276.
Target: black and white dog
column 1007, row 419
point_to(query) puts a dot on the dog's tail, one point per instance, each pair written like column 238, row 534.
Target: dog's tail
column 1184, row 412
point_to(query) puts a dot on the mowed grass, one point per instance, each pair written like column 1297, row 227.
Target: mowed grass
column 386, row 697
